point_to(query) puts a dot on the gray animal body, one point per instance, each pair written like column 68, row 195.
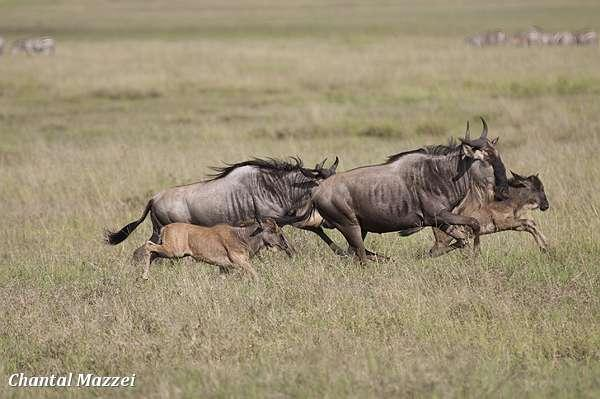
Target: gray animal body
column 412, row 190
column 272, row 188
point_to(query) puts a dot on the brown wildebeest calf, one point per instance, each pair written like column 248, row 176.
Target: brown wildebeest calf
column 221, row 245
column 525, row 193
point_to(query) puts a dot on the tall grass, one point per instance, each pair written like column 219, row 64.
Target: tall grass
column 88, row 135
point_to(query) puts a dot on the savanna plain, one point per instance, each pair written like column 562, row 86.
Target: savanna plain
column 141, row 96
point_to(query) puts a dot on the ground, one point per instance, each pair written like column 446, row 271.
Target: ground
column 141, row 96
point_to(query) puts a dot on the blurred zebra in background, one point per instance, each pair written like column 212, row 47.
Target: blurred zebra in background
column 38, row 45
column 587, row 38
column 490, row 38
column 534, row 36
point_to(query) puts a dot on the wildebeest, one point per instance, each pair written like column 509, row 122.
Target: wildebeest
column 411, row 190
column 220, row 245
column 280, row 189
column 42, row 45
column 525, row 193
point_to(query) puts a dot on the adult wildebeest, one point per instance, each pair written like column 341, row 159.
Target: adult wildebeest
column 525, row 193
column 411, row 190
column 280, row 190
column 220, row 245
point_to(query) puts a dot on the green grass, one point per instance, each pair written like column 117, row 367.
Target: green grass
column 143, row 96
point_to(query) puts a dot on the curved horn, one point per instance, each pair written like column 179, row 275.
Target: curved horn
column 333, row 166
column 467, row 133
column 485, row 128
column 320, row 165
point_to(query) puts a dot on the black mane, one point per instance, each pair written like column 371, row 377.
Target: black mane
column 441, row 149
column 271, row 164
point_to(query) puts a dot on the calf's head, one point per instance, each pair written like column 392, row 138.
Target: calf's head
column 533, row 190
column 484, row 150
column 272, row 236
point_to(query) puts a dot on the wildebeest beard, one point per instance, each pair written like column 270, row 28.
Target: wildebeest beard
column 500, row 179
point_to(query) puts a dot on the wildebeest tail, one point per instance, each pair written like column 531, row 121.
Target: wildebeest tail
column 114, row 238
column 411, row 231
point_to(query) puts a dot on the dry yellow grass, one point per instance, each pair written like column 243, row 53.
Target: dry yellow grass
column 88, row 135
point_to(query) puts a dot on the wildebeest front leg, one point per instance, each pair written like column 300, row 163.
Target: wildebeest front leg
column 243, row 262
column 321, row 233
column 353, row 235
column 443, row 243
column 372, row 255
column 530, row 227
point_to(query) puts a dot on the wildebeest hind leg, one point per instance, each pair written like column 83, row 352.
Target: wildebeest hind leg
column 140, row 253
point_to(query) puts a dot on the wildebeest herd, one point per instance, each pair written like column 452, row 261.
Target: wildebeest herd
column 31, row 46
column 534, row 36
column 460, row 190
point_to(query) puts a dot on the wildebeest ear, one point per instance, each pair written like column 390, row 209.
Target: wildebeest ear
column 471, row 152
column 495, row 141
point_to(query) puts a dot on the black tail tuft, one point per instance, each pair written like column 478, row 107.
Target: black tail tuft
column 114, row 238
column 410, row 231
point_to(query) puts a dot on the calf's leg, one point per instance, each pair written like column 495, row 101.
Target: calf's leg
column 154, row 251
column 443, row 243
column 240, row 260
column 530, row 227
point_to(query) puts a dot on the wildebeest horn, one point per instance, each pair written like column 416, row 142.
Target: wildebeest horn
column 485, row 128
column 320, row 165
column 467, row 133
column 517, row 176
column 334, row 165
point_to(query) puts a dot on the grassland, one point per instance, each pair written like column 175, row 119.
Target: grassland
column 142, row 95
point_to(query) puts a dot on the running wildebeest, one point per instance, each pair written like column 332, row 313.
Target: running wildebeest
column 525, row 193
column 220, row 245
column 411, row 190
column 280, row 189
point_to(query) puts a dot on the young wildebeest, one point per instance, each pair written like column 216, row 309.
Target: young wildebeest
column 278, row 189
column 221, row 245
column 411, row 190
column 525, row 193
